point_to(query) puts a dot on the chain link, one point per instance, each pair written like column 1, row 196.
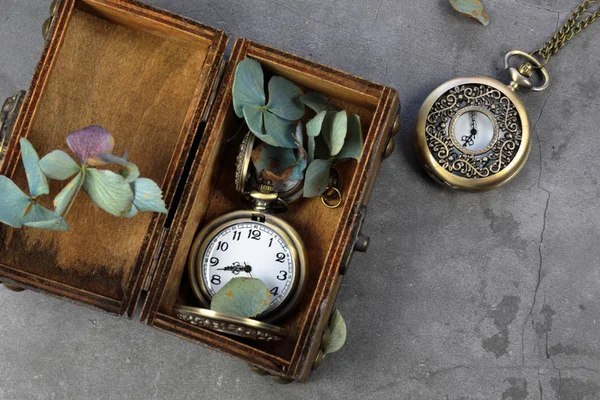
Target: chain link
column 574, row 25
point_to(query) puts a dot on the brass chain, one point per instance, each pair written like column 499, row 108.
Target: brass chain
column 572, row 27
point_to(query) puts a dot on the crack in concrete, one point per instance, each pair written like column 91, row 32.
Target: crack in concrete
column 540, row 252
column 378, row 10
column 537, row 7
column 540, row 386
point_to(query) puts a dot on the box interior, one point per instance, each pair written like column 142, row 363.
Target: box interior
column 316, row 224
column 141, row 80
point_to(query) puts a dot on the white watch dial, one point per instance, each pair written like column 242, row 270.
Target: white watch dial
column 253, row 250
column 474, row 131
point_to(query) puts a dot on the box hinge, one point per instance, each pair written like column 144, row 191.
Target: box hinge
column 8, row 117
column 152, row 272
column 214, row 91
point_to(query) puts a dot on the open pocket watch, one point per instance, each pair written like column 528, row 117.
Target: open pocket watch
column 254, row 244
column 290, row 191
column 246, row 176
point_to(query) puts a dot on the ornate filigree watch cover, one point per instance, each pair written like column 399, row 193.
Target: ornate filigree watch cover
column 473, row 134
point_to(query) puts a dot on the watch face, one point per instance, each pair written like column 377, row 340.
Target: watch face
column 473, row 133
column 473, row 130
column 249, row 249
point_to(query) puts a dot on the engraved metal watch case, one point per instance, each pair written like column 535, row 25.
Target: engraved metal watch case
column 448, row 126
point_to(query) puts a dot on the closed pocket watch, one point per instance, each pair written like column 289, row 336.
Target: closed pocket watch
column 250, row 243
column 474, row 133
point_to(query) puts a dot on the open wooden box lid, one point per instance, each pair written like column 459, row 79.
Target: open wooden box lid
column 147, row 77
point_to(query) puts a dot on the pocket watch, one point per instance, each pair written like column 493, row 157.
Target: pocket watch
column 474, row 133
column 250, row 243
column 246, row 176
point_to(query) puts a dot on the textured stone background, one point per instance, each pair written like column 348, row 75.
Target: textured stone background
column 462, row 296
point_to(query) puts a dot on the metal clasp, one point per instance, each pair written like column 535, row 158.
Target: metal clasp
column 358, row 241
column 521, row 75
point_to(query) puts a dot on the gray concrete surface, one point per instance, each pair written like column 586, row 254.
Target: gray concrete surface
column 462, row 296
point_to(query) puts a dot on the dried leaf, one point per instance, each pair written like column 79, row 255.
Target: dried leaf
column 335, row 128
column 471, row 8
column 317, row 102
column 354, row 139
column 317, row 178
column 314, row 126
column 242, row 297
column 338, row 333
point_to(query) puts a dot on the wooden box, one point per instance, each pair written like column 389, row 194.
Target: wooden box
column 160, row 83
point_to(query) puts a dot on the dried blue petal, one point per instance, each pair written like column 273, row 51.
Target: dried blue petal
column 59, row 165
column 109, row 191
column 13, row 203
column 38, row 183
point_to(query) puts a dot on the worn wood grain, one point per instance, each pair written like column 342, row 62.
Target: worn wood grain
column 149, row 91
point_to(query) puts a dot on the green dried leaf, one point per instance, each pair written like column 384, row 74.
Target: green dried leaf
column 317, row 102
column 38, row 183
column 354, row 139
column 311, row 149
column 338, row 333
column 472, row 9
column 109, row 191
column 13, row 203
column 300, row 154
column 335, row 129
column 317, row 178
column 242, row 297
column 248, row 86
column 59, row 165
column 148, row 196
column 284, row 99
column 314, row 126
